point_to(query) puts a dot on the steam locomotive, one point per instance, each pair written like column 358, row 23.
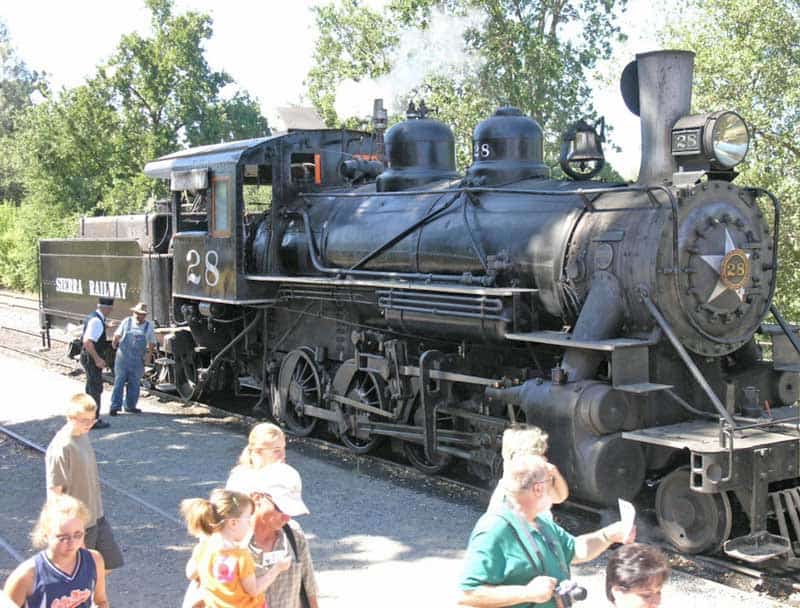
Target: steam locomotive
column 385, row 297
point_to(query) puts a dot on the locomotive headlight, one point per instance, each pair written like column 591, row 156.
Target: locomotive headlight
column 729, row 139
column 719, row 140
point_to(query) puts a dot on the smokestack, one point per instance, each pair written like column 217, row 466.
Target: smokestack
column 657, row 86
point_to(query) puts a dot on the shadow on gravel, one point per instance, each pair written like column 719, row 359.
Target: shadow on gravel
column 362, row 513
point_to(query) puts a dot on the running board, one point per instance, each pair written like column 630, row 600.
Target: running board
column 629, row 357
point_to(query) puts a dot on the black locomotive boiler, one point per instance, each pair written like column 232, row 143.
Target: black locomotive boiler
column 413, row 304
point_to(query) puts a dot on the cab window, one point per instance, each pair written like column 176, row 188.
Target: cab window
column 221, row 207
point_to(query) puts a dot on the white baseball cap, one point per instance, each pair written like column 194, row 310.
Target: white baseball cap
column 283, row 485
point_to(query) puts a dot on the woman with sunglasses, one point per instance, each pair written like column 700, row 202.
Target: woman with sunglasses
column 63, row 573
column 266, row 445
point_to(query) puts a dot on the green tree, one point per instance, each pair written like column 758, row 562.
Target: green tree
column 748, row 60
column 526, row 57
column 17, row 84
column 68, row 147
column 81, row 152
column 85, row 149
column 355, row 42
column 166, row 96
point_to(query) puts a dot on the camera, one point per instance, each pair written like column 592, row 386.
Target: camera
column 569, row 592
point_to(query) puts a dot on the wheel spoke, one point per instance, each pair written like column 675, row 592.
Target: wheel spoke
column 365, row 389
column 303, row 389
column 371, row 391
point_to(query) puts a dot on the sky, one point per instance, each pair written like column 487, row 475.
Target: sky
column 267, row 47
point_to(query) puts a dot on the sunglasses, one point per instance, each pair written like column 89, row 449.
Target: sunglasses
column 257, row 496
column 270, row 448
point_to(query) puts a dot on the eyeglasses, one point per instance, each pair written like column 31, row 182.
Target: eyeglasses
column 65, row 538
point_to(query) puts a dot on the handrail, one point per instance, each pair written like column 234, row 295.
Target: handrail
column 785, row 327
column 418, row 276
column 687, row 360
column 487, row 279
column 428, row 217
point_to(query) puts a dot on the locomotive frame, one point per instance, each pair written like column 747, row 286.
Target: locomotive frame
column 435, row 310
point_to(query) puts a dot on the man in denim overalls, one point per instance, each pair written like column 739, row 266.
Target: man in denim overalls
column 135, row 342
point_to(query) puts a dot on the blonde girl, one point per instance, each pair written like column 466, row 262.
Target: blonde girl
column 221, row 562
column 63, row 572
column 266, row 445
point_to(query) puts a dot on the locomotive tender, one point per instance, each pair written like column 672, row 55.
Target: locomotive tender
column 435, row 309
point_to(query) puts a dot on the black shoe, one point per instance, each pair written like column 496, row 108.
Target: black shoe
column 100, row 424
column 134, row 410
column 113, row 412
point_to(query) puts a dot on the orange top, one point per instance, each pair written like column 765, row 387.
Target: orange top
column 221, row 570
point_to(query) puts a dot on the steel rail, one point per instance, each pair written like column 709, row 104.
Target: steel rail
column 36, row 447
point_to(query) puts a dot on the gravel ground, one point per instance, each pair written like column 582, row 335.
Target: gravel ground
column 378, row 534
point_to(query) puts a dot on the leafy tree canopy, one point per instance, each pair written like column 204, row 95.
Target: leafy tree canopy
column 534, row 54
column 85, row 149
column 748, row 60
column 81, row 152
column 17, row 84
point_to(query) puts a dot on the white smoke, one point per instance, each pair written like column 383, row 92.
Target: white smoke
column 437, row 50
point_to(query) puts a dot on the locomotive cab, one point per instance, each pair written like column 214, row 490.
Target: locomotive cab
column 228, row 207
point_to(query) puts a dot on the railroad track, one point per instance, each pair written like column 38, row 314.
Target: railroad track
column 783, row 579
column 10, row 300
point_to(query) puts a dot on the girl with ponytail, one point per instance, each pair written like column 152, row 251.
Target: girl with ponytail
column 221, row 563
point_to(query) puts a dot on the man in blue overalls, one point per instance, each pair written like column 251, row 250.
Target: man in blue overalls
column 135, row 342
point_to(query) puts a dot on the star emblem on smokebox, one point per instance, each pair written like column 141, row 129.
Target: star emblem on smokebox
column 732, row 267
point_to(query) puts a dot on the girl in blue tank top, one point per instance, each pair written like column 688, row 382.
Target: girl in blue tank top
column 63, row 574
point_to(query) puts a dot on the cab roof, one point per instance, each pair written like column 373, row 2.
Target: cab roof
column 229, row 153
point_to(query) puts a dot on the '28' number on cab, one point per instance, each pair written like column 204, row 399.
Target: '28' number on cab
column 211, row 273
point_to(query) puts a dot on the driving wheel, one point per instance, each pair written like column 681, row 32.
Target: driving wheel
column 298, row 386
column 366, row 388
column 691, row 521
column 185, row 366
column 415, row 452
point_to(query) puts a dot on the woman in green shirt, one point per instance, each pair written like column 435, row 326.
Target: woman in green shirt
column 517, row 558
